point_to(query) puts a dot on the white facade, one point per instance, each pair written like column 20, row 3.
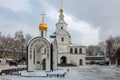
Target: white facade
column 39, row 54
column 42, row 55
column 75, row 55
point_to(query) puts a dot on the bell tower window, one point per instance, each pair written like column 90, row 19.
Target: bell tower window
column 62, row 39
column 61, row 28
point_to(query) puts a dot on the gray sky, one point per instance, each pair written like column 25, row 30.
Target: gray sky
column 89, row 21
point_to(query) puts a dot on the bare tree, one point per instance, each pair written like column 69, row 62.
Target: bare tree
column 19, row 41
column 28, row 37
column 112, row 49
column 102, row 47
column 90, row 50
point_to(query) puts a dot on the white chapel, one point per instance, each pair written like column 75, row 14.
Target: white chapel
column 42, row 54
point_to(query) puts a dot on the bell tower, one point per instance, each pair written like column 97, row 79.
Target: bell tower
column 62, row 35
column 61, row 25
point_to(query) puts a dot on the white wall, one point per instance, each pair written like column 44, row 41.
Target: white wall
column 75, row 59
column 72, row 58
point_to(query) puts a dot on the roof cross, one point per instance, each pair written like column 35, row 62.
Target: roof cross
column 43, row 15
column 61, row 3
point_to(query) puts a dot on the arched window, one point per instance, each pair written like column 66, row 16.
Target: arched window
column 76, row 51
column 80, row 50
column 71, row 50
column 62, row 39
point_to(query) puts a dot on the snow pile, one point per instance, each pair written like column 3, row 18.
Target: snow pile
column 57, row 73
column 62, row 71
column 33, row 74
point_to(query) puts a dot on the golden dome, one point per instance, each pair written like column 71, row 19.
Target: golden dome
column 43, row 26
column 61, row 10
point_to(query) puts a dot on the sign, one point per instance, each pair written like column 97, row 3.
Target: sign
column 52, row 36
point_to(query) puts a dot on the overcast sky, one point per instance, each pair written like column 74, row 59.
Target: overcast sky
column 89, row 21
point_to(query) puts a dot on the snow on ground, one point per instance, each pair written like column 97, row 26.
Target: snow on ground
column 1, row 78
column 93, row 72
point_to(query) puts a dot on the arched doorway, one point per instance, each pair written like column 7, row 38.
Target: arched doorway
column 44, row 64
column 80, row 62
column 63, row 60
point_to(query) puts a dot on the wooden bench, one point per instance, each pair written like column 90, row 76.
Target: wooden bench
column 5, row 71
column 10, row 71
column 21, row 69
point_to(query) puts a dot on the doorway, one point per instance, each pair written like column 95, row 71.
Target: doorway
column 80, row 62
column 63, row 60
column 44, row 64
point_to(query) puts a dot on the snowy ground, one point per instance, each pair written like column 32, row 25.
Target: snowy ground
column 93, row 72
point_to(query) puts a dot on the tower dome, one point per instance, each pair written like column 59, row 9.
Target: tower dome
column 61, row 10
column 43, row 26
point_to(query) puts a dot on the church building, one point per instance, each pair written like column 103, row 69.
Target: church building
column 67, row 52
column 46, row 55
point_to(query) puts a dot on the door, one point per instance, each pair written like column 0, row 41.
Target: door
column 80, row 62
